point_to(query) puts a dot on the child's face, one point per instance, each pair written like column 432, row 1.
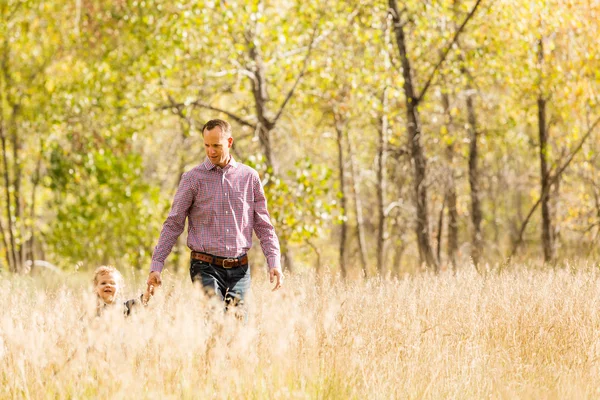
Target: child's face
column 107, row 287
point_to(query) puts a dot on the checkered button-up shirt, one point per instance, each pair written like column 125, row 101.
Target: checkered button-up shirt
column 223, row 206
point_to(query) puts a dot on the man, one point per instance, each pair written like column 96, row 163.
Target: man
column 224, row 202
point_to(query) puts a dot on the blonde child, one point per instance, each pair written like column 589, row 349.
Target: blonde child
column 108, row 284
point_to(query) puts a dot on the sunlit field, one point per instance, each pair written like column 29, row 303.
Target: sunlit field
column 512, row 334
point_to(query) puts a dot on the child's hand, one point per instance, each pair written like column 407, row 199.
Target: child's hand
column 146, row 296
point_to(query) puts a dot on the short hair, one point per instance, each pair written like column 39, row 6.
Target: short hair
column 213, row 123
column 107, row 269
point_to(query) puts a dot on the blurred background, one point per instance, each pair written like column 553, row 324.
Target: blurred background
column 390, row 136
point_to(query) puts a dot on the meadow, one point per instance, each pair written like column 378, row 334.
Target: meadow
column 518, row 333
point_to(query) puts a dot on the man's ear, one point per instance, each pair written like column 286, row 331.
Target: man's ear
column 230, row 141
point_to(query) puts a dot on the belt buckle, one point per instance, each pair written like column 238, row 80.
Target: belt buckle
column 228, row 260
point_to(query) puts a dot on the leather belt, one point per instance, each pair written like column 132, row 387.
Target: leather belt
column 221, row 261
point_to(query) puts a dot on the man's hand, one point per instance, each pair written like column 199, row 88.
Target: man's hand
column 153, row 282
column 275, row 273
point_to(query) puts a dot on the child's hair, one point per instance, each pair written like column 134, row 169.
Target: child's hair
column 107, row 269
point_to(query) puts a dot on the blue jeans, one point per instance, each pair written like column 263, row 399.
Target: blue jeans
column 230, row 284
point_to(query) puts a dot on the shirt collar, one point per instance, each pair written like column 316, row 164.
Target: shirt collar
column 209, row 165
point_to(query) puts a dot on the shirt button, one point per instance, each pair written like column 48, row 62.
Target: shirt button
column 227, row 230
column 226, row 212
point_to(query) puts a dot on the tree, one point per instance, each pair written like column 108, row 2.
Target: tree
column 33, row 44
column 413, row 123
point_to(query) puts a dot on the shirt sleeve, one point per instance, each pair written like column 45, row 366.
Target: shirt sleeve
column 175, row 222
column 263, row 227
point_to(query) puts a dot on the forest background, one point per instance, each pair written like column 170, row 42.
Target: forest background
column 390, row 136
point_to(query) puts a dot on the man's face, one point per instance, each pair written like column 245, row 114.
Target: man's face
column 107, row 287
column 217, row 146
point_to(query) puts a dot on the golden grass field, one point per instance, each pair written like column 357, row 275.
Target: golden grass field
column 516, row 334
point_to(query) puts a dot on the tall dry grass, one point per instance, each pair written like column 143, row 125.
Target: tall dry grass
column 515, row 334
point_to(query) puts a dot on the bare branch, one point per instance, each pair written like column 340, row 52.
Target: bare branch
column 239, row 71
column 553, row 179
column 237, row 119
column 199, row 104
column 446, row 51
column 12, row 12
column 179, row 111
column 180, row 106
column 299, row 77
column 398, row 14
column 314, row 43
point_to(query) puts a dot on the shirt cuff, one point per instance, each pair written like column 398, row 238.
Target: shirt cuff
column 156, row 266
column 274, row 262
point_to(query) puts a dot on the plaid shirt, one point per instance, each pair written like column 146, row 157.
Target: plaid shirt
column 223, row 206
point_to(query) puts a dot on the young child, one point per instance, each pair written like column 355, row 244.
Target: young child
column 108, row 283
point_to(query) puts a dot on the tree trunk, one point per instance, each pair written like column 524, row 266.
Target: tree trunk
column 476, row 214
column 260, row 94
column 264, row 128
column 413, row 128
column 496, row 195
column 339, row 127
column 288, row 257
column 381, row 183
column 17, row 177
column 397, row 259
column 473, row 135
column 547, row 231
column 11, row 251
column 451, row 199
column 554, row 206
column 440, row 228
column 5, row 243
column 358, row 209
column 452, row 245
column 14, row 254
column 318, row 263
column 35, row 180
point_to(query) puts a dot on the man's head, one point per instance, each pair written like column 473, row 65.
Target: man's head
column 217, row 141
